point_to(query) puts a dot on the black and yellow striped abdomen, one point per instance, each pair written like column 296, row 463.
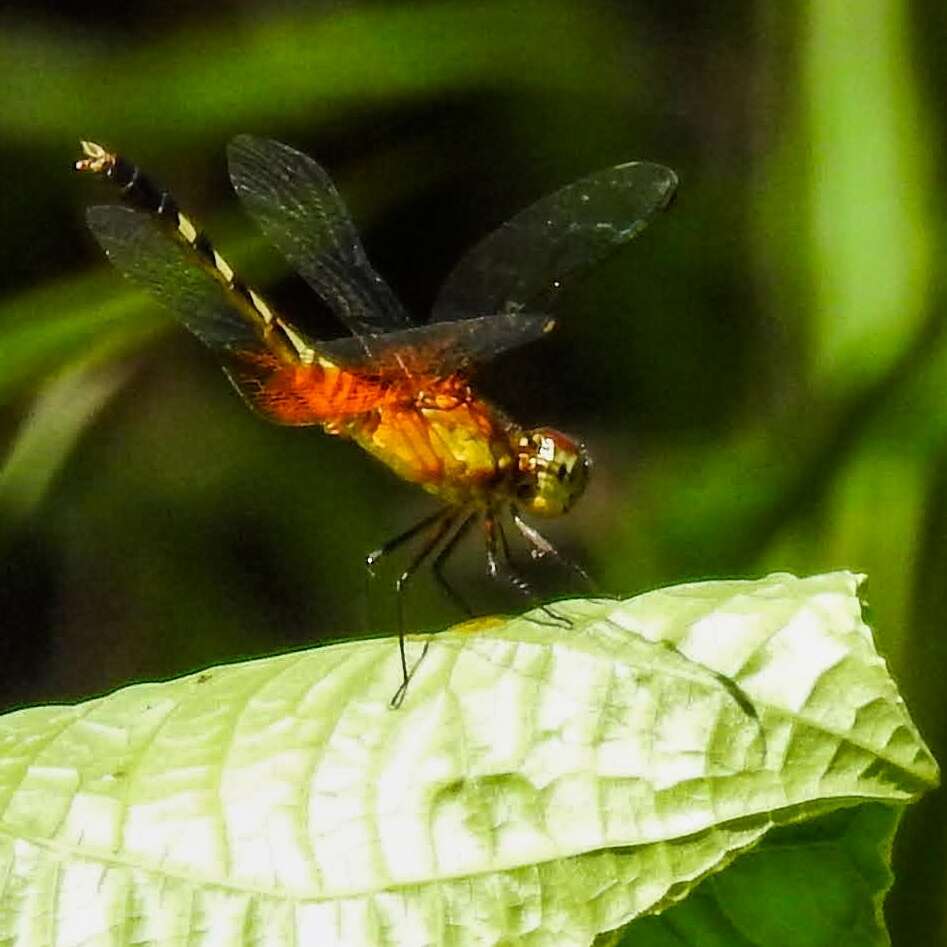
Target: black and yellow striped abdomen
column 140, row 193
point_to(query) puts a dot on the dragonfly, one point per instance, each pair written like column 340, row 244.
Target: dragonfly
column 402, row 389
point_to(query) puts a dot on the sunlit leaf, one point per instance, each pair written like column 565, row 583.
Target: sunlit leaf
column 541, row 784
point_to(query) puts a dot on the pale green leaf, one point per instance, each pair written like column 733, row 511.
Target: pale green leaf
column 541, row 784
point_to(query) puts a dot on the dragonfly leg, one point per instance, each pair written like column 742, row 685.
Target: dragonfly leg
column 540, row 547
column 437, row 566
column 442, row 523
column 374, row 557
column 497, row 543
column 393, row 544
column 497, row 532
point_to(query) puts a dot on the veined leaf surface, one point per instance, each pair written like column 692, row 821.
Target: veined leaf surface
column 540, row 784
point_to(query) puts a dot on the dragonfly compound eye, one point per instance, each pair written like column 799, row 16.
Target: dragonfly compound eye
column 553, row 472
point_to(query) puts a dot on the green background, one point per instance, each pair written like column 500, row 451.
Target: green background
column 761, row 378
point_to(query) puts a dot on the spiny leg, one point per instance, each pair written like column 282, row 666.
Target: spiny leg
column 437, row 566
column 556, row 620
column 444, row 521
column 497, row 543
column 396, row 542
column 540, row 546
column 494, row 531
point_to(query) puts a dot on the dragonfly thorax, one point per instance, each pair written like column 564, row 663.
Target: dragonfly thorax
column 552, row 472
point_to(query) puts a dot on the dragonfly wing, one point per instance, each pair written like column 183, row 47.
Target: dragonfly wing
column 139, row 248
column 525, row 262
column 298, row 208
column 441, row 348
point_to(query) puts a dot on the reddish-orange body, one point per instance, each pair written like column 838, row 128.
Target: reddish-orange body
column 404, row 395
column 429, row 430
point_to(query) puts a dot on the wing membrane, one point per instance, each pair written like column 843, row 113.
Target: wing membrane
column 142, row 252
column 524, row 263
column 298, row 208
column 441, row 347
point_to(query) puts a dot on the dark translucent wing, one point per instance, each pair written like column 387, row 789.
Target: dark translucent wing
column 441, row 348
column 301, row 213
column 525, row 263
column 140, row 250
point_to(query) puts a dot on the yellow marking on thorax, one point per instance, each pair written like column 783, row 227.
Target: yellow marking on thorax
column 455, row 453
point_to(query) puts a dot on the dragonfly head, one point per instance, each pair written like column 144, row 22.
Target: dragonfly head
column 553, row 470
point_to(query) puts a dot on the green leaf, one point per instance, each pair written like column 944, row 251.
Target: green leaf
column 543, row 782
column 811, row 885
column 39, row 329
column 869, row 187
column 192, row 85
column 68, row 403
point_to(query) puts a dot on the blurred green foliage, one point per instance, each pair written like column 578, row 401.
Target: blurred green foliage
column 761, row 377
